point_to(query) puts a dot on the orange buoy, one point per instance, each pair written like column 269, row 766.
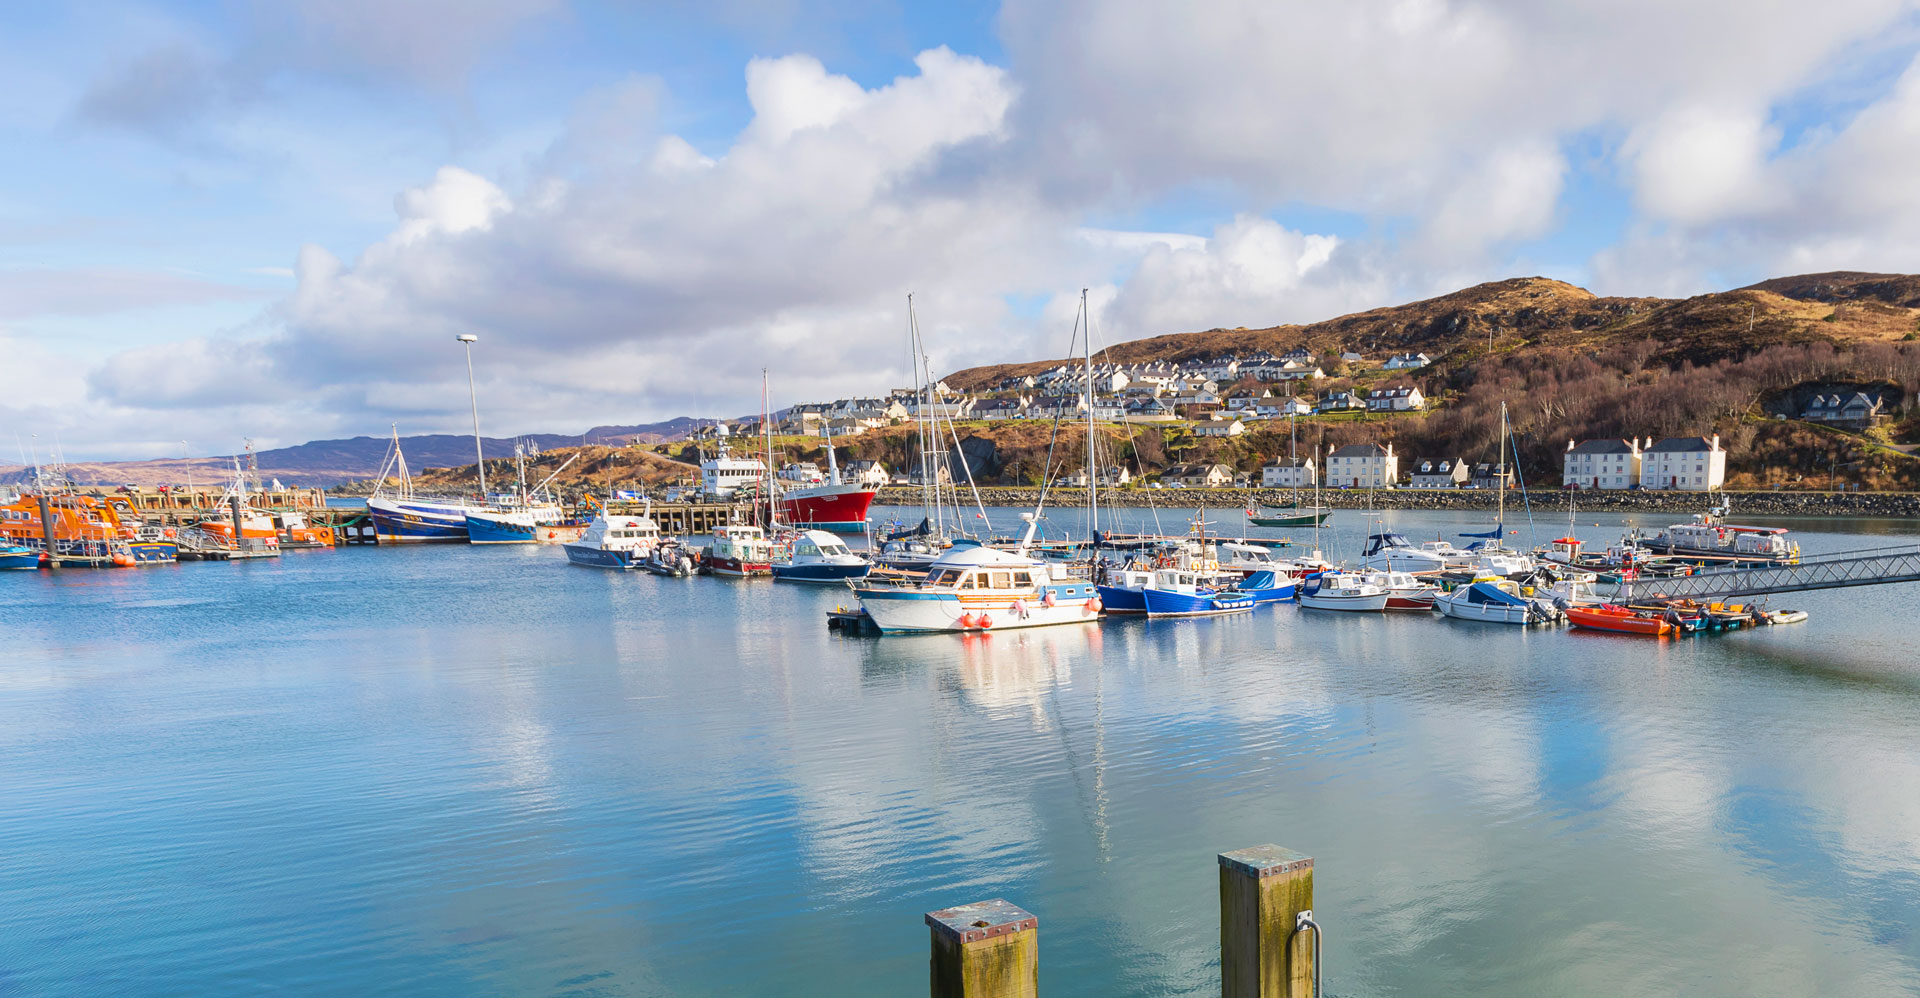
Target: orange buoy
column 985, row 621
column 966, row 621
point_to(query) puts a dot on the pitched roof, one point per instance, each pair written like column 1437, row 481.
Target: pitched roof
column 1685, row 445
column 1608, row 446
column 1361, row 450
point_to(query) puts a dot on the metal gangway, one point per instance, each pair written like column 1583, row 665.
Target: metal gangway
column 1839, row 570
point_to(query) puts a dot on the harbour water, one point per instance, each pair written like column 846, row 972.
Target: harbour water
column 451, row 770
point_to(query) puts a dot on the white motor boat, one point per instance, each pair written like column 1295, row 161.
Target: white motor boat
column 1391, row 552
column 975, row 588
column 1404, row 590
column 1239, row 560
column 1495, row 601
column 615, row 542
column 1341, row 591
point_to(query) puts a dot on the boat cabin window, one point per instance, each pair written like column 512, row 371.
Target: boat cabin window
column 1022, row 579
column 969, row 583
column 1002, row 580
column 835, row 548
column 946, row 577
column 806, row 547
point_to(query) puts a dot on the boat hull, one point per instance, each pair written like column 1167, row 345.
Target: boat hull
column 484, row 529
column 838, row 508
column 821, row 573
column 153, row 552
column 593, row 557
column 1171, row 603
column 412, row 522
column 1596, row 619
column 1357, row 603
column 1123, row 601
column 1486, row 613
column 1411, row 601
column 897, row 611
column 21, row 559
column 737, row 568
column 1290, row 520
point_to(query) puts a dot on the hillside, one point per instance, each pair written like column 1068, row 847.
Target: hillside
column 326, row 462
column 1571, row 365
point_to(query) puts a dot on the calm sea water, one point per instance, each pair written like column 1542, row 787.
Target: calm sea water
column 447, row 770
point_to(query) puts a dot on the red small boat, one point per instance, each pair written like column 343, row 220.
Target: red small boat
column 1619, row 620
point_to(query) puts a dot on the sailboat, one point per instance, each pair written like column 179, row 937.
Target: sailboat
column 972, row 587
column 1295, row 515
column 400, row 517
column 1490, row 555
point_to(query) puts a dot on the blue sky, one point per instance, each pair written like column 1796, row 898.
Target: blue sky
column 229, row 219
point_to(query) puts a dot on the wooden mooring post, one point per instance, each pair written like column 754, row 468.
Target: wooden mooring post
column 1267, row 950
column 1269, row 942
column 988, row 949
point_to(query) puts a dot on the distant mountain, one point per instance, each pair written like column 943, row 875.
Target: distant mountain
column 325, row 462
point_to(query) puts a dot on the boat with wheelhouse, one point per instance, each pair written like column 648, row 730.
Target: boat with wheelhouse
column 618, row 542
column 816, row 556
column 975, row 588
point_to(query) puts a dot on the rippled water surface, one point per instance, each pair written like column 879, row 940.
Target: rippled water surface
column 445, row 770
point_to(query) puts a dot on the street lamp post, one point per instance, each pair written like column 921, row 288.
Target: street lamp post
column 480, row 459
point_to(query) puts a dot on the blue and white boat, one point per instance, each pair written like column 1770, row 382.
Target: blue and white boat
column 18, row 556
column 1196, row 603
column 525, row 516
column 816, row 556
column 1124, row 591
column 400, row 517
column 975, row 588
column 1268, row 587
column 618, row 542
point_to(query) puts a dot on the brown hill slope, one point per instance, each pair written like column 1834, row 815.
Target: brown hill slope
column 1536, row 311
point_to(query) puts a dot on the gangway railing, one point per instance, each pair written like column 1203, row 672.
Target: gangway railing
column 1839, row 570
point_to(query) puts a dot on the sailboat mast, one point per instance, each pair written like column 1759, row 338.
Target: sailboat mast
column 766, row 437
column 1093, row 479
column 1501, row 471
column 920, row 414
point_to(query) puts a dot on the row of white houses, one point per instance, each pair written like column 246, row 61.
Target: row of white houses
column 1688, row 464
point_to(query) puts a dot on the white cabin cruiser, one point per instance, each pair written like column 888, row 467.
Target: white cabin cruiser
column 1342, row 591
column 974, row 588
column 1391, row 552
column 615, row 542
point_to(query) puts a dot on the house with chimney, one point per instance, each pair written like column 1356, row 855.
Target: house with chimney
column 1363, row 466
column 1437, row 473
column 1602, row 464
column 1283, row 473
column 1687, row 464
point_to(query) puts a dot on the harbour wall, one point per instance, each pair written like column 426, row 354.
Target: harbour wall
column 1591, row 501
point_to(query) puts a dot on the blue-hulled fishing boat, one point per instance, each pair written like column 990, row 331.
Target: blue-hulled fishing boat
column 620, row 542
column 19, row 556
column 1268, row 587
column 1197, row 602
column 400, row 517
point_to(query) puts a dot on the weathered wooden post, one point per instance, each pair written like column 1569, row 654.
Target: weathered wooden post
column 1263, row 953
column 46, row 527
column 989, row 949
column 239, row 536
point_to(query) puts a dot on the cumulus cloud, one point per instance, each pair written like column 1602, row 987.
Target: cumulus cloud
column 623, row 271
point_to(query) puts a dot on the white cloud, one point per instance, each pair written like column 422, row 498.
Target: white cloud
column 1700, row 164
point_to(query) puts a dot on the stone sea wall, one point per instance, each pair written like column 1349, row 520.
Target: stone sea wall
column 1744, row 503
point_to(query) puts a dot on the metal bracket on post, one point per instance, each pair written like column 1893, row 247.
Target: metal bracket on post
column 1302, row 922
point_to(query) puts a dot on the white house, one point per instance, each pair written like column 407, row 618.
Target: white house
column 872, row 474
column 1201, row 476
column 1437, row 473
column 1692, row 464
column 1340, row 402
column 1395, row 398
column 1292, row 371
column 1148, row 410
column 1283, row 474
column 1219, row 428
column 1407, row 361
column 1363, row 466
column 1602, row 464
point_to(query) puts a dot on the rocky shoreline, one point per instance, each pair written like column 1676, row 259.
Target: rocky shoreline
column 1744, row 503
